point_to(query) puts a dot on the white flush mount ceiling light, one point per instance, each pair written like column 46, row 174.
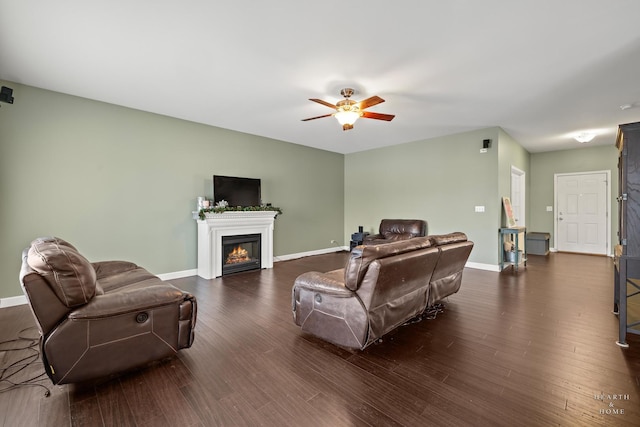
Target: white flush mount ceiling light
column 584, row 137
column 628, row 106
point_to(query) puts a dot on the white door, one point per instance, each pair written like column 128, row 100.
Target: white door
column 582, row 212
column 518, row 195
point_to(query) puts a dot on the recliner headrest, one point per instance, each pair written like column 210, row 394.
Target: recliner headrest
column 362, row 256
column 70, row 275
column 414, row 227
column 447, row 239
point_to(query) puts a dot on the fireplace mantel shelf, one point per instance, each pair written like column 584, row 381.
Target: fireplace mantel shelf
column 231, row 223
column 236, row 214
column 241, row 214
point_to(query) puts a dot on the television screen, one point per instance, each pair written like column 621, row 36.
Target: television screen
column 236, row 191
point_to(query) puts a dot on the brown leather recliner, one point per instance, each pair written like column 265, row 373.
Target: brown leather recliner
column 391, row 230
column 98, row 319
column 447, row 276
column 380, row 288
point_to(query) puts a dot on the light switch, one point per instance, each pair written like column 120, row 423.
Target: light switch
column 549, row 208
column 479, row 208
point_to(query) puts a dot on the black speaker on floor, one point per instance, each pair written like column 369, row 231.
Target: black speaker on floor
column 6, row 95
column 358, row 238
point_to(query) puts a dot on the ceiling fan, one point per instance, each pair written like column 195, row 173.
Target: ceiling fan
column 348, row 110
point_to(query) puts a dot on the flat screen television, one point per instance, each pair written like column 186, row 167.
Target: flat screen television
column 236, row 191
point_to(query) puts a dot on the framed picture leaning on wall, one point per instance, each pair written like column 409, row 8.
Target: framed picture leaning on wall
column 511, row 221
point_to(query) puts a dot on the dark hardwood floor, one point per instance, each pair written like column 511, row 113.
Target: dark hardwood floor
column 532, row 349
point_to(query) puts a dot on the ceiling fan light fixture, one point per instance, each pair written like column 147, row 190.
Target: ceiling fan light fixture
column 584, row 137
column 347, row 111
column 347, row 117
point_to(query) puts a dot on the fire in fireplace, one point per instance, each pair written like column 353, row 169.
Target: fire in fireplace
column 240, row 253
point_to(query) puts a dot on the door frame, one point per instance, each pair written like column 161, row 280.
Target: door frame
column 607, row 210
column 522, row 221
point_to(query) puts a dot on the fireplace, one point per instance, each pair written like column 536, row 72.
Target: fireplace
column 215, row 226
column 240, row 253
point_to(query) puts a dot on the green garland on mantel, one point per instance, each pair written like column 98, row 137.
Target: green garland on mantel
column 220, row 209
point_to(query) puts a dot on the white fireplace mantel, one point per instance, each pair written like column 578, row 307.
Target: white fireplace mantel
column 230, row 223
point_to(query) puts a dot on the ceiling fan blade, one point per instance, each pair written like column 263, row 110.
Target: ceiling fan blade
column 369, row 102
column 317, row 117
column 378, row 116
column 320, row 101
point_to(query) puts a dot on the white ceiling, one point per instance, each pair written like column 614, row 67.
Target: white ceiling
column 541, row 69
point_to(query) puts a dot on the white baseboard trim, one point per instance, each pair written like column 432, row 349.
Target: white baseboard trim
column 310, row 253
column 21, row 299
column 12, row 301
column 178, row 274
column 476, row 265
column 481, row 266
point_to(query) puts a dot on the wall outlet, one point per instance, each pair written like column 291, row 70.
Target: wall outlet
column 549, row 208
column 334, row 242
column 483, row 150
column 479, row 208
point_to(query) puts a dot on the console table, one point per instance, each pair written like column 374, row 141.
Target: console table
column 513, row 234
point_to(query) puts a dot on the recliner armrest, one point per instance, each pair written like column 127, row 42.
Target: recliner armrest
column 327, row 283
column 109, row 268
column 373, row 237
column 130, row 301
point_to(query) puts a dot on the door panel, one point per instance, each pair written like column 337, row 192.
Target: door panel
column 582, row 213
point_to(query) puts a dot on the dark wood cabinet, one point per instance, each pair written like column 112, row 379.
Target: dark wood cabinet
column 627, row 252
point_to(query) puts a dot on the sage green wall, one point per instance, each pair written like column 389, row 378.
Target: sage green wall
column 586, row 159
column 121, row 184
column 510, row 153
column 440, row 180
